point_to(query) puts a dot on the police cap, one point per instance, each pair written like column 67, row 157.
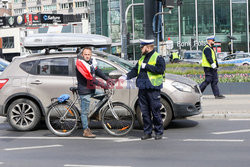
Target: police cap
column 144, row 42
column 211, row 38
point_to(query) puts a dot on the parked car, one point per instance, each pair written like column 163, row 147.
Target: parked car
column 29, row 83
column 3, row 65
column 237, row 59
column 192, row 56
column 221, row 55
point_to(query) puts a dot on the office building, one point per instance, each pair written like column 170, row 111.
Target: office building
column 188, row 25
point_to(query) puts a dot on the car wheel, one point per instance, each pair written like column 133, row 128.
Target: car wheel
column 166, row 113
column 23, row 115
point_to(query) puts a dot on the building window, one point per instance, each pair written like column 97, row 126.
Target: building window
column 81, row 4
column 35, row 9
column 49, row 7
column 66, row 5
column 8, row 42
column 18, row 11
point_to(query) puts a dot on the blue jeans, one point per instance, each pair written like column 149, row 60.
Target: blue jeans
column 85, row 101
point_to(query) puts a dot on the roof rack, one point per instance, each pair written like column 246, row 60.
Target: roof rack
column 56, row 41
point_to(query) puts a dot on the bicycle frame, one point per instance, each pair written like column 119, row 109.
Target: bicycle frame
column 106, row 98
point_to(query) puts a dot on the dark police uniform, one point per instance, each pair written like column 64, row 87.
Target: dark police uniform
column 211, row 75
column 149, row 81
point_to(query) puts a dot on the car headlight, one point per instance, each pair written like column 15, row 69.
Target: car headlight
column 182, row 87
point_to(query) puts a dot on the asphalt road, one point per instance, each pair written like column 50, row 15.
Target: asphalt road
column 189, row 143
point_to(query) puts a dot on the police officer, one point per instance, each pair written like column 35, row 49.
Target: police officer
column 210, row 65
column 149, row 72
column 174, row 58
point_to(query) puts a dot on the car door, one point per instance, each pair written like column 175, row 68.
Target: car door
column 51, row 79
column 121, row 93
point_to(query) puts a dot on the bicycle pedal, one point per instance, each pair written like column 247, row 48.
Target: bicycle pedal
column 109, row 125
column 124, row 128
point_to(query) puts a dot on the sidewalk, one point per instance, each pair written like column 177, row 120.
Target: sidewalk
column 233, row 106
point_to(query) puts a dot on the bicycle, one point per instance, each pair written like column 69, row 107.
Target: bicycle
column 63, row 118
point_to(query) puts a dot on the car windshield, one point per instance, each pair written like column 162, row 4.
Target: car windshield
column 121, row 62
column 3, row 64
column 192, row 55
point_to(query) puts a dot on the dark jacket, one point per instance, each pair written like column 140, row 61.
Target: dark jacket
column 86, row 86
column 142, row 81
column 208, row 55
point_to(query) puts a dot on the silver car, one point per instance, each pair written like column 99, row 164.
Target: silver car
column 192, row 56
column 28, row 84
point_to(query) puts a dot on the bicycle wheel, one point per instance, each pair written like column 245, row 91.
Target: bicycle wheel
column 120, row 121
column 61, row 120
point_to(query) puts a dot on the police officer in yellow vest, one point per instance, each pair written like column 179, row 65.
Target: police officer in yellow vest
column 210, row 65
column 174, row 58
column 149, row 72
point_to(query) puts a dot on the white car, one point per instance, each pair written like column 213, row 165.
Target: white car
column 238, row 59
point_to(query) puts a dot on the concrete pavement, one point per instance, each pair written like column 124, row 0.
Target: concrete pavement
column 233, row 106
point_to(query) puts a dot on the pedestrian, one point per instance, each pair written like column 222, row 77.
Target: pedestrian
column 149, row 71
column 210, row 65
column 86, row 71
column 174, row 57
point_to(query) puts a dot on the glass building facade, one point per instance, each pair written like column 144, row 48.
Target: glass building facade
column 188, row 25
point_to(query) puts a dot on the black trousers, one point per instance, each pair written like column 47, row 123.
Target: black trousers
column 149, row 101
column 211, row 77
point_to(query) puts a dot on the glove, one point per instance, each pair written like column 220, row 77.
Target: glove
column 123, row 77
column 213, row 65
column 143, row 65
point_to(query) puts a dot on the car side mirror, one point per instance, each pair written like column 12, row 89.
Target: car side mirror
column 115, row 74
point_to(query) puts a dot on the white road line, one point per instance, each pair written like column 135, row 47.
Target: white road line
column 1, row 163
column 230, row 132
column 33, row 147
column 115, row 139
column 239, row 119
column 72, row 165
column 212, row 140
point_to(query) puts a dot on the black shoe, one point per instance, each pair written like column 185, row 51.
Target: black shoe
column 220, row 97
column 158, row 137
column 146, row 136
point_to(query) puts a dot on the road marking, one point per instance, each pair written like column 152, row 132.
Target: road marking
column 115, row 139
column 72, row 165
column 1, row 163
column 212, row 140
column 34, row 147
column 137, row 139
column 230, row 132
column 239, row 119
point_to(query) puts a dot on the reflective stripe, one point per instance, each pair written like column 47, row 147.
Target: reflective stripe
column 155, row 79
column 205, row 63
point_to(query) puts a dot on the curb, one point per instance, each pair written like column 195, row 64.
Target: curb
column 3, row 119
column 221, row 116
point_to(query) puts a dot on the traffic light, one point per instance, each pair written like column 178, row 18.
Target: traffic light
column 179, row 2
column 168, row 4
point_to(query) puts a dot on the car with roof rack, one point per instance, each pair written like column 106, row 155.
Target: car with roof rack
column 29, row 82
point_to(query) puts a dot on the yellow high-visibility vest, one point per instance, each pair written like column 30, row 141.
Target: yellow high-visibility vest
column 175, row 56
column 155, row 79
column 205, row 63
